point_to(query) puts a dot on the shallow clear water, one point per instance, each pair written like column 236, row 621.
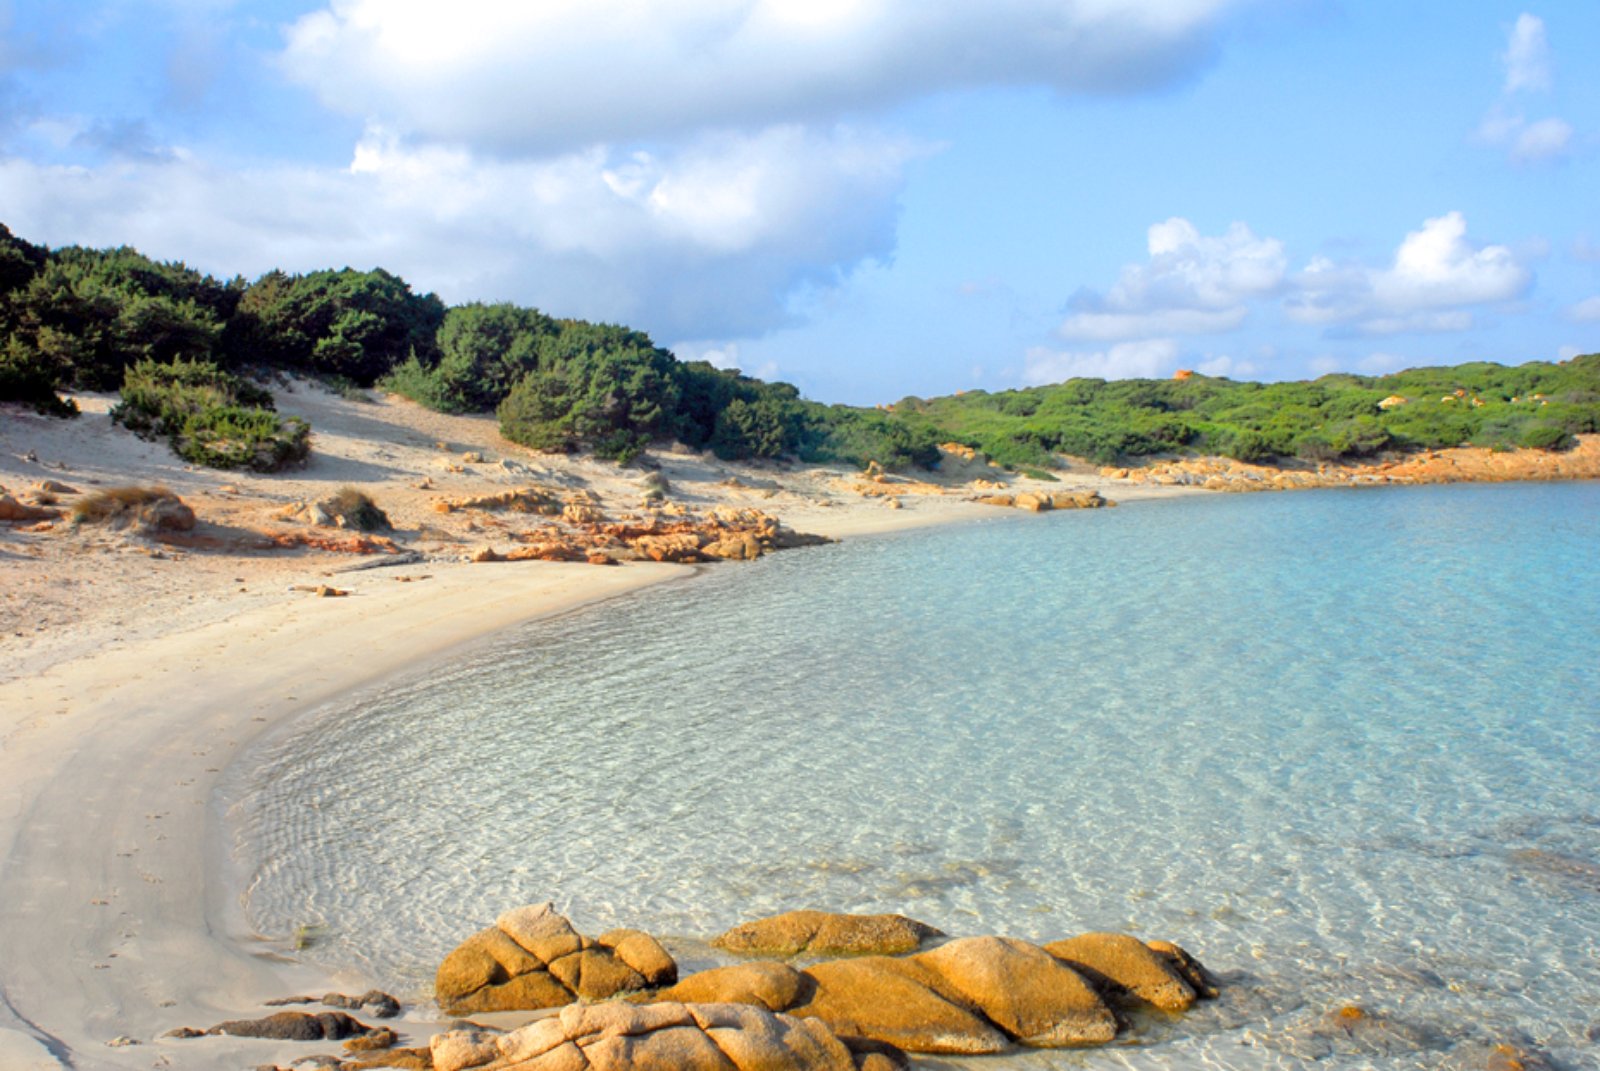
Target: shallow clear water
column 1344, row 746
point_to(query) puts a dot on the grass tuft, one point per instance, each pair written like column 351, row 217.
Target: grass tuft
column 146, row 508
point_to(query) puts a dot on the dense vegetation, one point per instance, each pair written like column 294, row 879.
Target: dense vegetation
column 209, row 416
column 1537, row 404
column 177, row 341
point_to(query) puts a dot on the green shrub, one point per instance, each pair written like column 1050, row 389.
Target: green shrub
column 210, row 417
column 1541, row 435
column 25, row 378
column 234, row 437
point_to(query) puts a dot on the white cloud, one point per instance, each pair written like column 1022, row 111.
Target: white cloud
column 1436, row 266
column 1542, row 140
column 1586, row 311
column 1525, row 143
column 1192, row 284
column 1127, row 360
column 1527, row 62
column 707, row 240
column 550, row 76
column 1567, row 353
column 1227, row 366
column 1418, row 323
column 1436, row 274
column 725, row 355
column 1527, row 56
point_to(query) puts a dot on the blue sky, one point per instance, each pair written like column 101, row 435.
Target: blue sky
column 869, row 198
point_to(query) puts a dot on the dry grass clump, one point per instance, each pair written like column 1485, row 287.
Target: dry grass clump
column 356, row 509
column 145, row 508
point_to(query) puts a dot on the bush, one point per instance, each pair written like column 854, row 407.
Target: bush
column 1545, row 436
column 27, row 379
column 210, row 417
column 234, row 437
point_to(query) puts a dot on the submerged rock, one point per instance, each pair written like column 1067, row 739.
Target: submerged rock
column 822, row 933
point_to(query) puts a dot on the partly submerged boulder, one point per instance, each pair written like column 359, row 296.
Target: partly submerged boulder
column 684, row 1037
column 532, row 958
column 1019, row 987
column 1125, row 964
column 971, row 996
column 823, row 933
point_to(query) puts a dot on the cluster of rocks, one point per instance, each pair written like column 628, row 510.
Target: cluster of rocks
column 533, row 958
column 684, row 1037
column 36, row 504
column 725, row 533
column 1044, row 501
column 358, row 1037
column 899, row 988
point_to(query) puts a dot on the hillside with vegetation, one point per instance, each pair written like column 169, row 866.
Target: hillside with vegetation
column 182, row 346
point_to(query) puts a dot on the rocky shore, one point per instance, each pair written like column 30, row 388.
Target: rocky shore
column 809, row 991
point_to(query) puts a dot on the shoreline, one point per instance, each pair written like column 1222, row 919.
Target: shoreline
column 118, row 730
column 116, row 905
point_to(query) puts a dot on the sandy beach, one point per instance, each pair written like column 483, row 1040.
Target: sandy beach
column 133, row 673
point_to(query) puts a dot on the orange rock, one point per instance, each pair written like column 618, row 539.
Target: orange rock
column 1128, row 965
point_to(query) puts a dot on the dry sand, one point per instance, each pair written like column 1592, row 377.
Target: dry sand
column 131, row 674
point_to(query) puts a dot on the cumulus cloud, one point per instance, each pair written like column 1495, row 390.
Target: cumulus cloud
column 1147, row 358
column 1586, row 311
column 1192, row 284
column 1438, row 266
column 706, row 240
column 1527, row 55
column 557, row 74
column 1436, row 273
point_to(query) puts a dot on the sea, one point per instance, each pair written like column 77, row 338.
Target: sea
column 1343, row 746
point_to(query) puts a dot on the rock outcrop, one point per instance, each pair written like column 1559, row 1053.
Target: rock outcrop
column 1125, row 964
column 672, row 535
column 295, row 1026
column 968, row 996
column 766, row 983
column 376, row 1001
column 822, row 933
column 1042, row 501
column 532, row 958
column 683, row 1037
column 971, row 996
column 1464, row 464
column 12, row 510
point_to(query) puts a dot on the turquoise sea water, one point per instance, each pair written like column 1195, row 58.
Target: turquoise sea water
column 1343, row 746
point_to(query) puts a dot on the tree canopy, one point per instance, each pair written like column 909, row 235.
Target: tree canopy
column 80, row 319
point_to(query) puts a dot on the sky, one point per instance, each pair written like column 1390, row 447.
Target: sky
column 867, row 198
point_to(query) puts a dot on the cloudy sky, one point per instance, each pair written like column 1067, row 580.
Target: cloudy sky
column 868, row 198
